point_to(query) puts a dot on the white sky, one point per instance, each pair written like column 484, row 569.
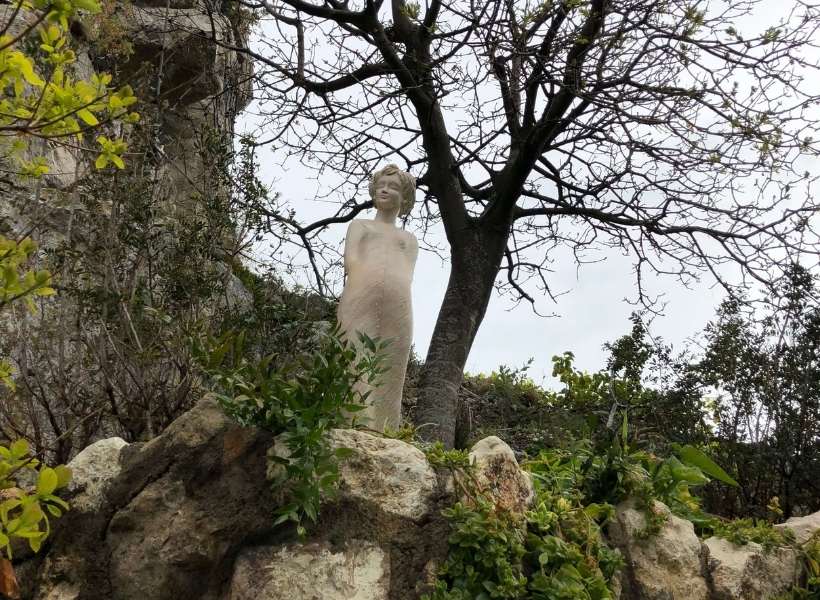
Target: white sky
column 593, row 311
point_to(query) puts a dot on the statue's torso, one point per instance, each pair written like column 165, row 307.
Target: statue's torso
column 380, row 252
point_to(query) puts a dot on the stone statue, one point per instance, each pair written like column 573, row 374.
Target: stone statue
column 379, row 259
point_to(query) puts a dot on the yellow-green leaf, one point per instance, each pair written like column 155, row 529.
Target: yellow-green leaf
column 19, row 449
column 47, row 481
column 63, row 476
column 88, row 117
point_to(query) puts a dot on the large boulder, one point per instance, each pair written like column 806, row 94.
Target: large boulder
column 190, row 515
column 188, row 44
column 390, row 475
column 803, row 528
column 92, row 472
column 497, row 473
column 665, row 566
column 358, row 570
column 749, row 572
column 169, row 524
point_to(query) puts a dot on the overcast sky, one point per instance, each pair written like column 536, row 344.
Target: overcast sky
column 594, row 309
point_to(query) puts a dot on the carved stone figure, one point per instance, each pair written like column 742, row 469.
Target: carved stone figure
column 379, row 259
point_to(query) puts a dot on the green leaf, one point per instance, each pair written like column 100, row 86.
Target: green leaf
column 695, row 457
column 343, row 452
column 91, row 6
column 47, row 481
column 63, row 476
column 101, row 162
column 88, row 117
column 19, row 449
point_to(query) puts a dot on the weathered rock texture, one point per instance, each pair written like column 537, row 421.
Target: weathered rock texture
column 667, row 566
column 748, row 571
column 189, row 516
column 802, row 527
column 357, row 570
column 676, row 565
column 498, row 473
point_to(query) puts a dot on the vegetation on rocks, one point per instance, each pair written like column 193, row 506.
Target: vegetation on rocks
column 300, row 400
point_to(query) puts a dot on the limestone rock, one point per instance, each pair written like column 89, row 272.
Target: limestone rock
column 178, row 511
column 92, row 471
column 748, row 572
column 180, row 40
column 802, row 527
column 666, row 566
column 390, row 474
column 358, row 571
column 498, row 472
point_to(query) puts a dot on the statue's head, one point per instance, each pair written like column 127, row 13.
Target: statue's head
column 407, row 184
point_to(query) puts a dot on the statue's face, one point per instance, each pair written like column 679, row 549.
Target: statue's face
column 387, row 193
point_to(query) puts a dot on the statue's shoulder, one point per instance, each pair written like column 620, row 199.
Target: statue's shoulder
column 356, row 225
column 409, row 237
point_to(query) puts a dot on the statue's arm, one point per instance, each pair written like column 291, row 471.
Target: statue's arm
column 352, row 239
column 413, row 249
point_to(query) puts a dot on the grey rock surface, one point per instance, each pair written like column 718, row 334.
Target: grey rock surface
column 92, row 471
column 389, row 474
column 358, row 571
column 748, row 572
column 173, row 518
column 802, row 527
column 666, row 566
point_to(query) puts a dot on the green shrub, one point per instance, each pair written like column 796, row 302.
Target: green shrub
column 300, row 400
column 24, row 513
column 554, row 551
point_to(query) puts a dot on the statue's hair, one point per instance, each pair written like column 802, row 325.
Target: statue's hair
column 407, row 186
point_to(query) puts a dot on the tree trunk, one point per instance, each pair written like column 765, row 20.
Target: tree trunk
column 476, row 257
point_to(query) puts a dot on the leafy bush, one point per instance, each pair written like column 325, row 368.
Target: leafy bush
column 743, row 531
column 49, row 102
column 554, row 551
column 24, row 514
column 19, row 284
column 301, row 401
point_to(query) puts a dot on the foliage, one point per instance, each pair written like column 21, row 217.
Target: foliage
column 743, row 531
column 49, row 102
column 143, row 265
column 554, row 551
column 762, row 374
column 508, row 402
column 301, row 401
column 24, row 514
column 18, row 284
column 749, row 399
column 45, row 104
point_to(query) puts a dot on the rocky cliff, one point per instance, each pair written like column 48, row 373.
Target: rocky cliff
column 141, row 256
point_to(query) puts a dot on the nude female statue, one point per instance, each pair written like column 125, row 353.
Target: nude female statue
column 379, row 259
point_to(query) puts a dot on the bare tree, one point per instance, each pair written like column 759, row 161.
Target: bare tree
column 655, row 127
